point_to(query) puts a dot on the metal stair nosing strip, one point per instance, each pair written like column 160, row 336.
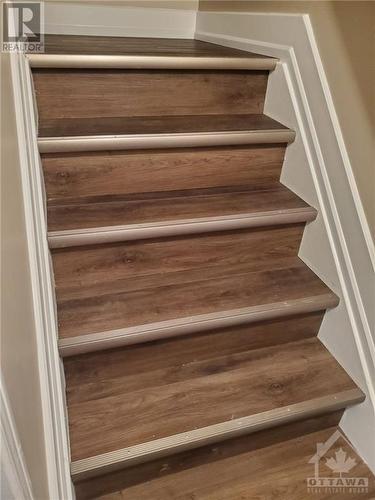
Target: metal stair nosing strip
column 193, row 324
column 112, row 234
column 159, row 448
column 83, row 61
column 70, row 144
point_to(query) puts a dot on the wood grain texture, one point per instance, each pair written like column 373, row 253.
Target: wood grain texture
column 175, row 206
column 141, row 393
column 107, row 45
column 166, row 446
column 203, row 393
column 267, row 465
column 86, row 175
column 117, row 125
column 216, row 255
column 97, row 94
column 155, row 363
column 163, row 297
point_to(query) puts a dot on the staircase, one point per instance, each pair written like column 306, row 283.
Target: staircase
column 187, row 323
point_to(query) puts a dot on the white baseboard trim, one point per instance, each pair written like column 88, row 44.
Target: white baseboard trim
column 116, row 20
column 330, row 181
column 14, row 471
column 50, row 375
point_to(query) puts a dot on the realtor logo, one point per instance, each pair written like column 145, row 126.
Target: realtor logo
column 339, row 463
column 23, row 27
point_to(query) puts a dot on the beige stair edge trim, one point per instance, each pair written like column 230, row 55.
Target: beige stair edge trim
column 112, row 234
column 83, row 61
column 183, row 326
column 195, row 438
column 157, row 141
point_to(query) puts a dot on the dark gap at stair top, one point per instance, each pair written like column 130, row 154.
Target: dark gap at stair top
column 70, row 127
column 132, row 46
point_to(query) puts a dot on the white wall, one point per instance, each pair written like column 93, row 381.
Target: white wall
column 337, row 246
column 19, row 362
column 121, row 19
column 344, row 31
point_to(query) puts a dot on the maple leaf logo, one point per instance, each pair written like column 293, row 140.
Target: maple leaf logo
column 341, row 464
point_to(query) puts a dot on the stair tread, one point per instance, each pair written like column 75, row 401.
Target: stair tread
column 110, row 304
column 189, row 205
column 133, row 125
column 268, row 465
column 106, row 45
column 146, row 406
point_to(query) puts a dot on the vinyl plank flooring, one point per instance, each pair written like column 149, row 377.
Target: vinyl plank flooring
column 244, row 469
column 140, row 303
column 70, row 177
column 122, row 484
column 165, row 361
column 181, row 259
column 106, row 45
column 126, row 210
column 101, row 93
column 204, row 393
column 116, row 125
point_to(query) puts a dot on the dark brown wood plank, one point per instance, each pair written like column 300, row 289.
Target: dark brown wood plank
column 216, row 255
column 155, row 125
column 187, row 205
column 97, row 94
column 166, row 467
column 166, row 361
column 154, row 299
column 202, row 394
column 269, row 464
column 113, row 173
column 107, row 45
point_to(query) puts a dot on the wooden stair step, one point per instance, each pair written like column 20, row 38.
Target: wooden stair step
column 121, row 125
column 137, row 310
column 72, row 178
column 168, row 293
column 99, row 93
column 168, row 360
column 174, row 260
column 269, row 464
column 148, row 415
column 143, row 53
column 116, row 133
column 151, row 216
column 108, row 45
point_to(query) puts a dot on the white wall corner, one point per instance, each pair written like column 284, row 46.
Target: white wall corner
column 15, row 480
column 337, row 246
column 68, row 18
column 50, row 376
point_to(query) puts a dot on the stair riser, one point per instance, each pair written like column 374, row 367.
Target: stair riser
column 142, row 474
column 73, row 177
column 146, row 363
column 110, row 93
column 149, row 263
